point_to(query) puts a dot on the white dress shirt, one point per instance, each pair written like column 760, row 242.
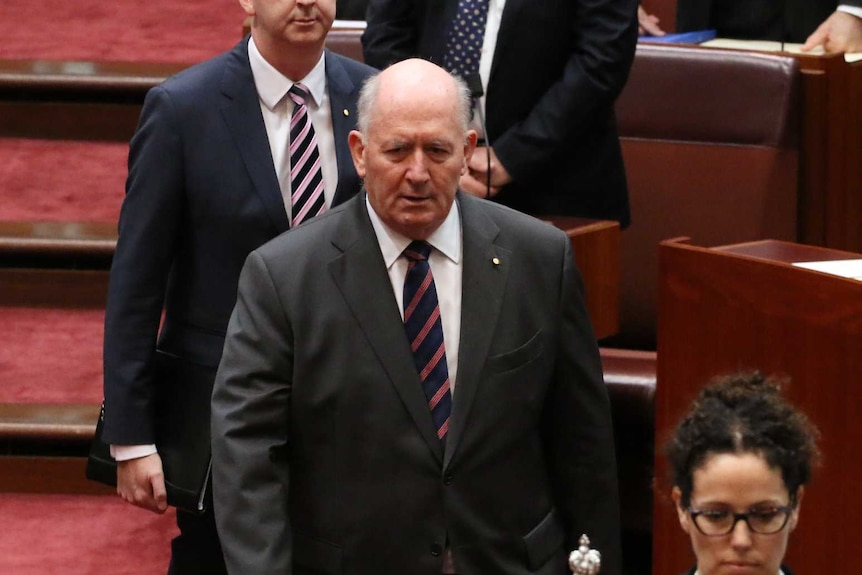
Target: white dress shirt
column 275, row 105
column 446, row 267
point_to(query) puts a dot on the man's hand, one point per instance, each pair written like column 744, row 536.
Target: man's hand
column 648, row 23
column 475, row 181
column 141, row 482
column 841, row 32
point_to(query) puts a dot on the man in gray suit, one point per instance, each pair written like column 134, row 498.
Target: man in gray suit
column 469, row 433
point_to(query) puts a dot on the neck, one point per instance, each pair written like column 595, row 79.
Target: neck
column 293, row 60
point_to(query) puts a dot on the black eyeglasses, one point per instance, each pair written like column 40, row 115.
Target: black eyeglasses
column 763, row 520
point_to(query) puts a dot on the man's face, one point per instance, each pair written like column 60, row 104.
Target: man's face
column 292, row 21
column 414, row 152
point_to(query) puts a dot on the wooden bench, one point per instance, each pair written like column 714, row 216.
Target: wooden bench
column 72, row 100
column 80, row 245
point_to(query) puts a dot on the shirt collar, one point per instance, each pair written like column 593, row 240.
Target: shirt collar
column 272, row 85
column 446, row 238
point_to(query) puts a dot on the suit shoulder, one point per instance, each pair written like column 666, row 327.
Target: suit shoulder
column 199, row 76
column 355, row 69
column 521, row 224
column 306, row 239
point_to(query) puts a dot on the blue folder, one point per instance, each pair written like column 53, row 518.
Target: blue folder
column 695, row 37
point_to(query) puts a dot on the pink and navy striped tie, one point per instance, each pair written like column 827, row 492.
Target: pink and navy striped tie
column 425, row 333
column 306, row 177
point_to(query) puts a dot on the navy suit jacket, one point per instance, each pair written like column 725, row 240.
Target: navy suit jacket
column 558, row 68
column 201, row 194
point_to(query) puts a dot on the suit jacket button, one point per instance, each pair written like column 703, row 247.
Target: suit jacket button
column 447, row 479
column 436, row 549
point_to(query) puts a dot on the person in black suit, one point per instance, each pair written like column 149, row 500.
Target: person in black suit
column 814, row 22
column 740, row 460
column 550, row 71
column 480, row 445
column 209, row 181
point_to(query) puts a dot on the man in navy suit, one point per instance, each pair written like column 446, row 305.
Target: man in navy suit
column 550, row 71
column 209, row 181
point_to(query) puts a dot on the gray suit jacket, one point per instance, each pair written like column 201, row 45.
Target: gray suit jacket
column 325, row 457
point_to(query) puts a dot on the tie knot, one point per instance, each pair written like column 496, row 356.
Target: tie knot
column 417, row 251
column 299, row 94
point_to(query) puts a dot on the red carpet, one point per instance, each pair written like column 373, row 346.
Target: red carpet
column 51, row 356
column 121, row 30
column 57, row 181
column 82, row 535
column 84, row 181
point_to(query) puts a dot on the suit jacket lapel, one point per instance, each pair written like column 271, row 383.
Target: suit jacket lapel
column 343, row 111
column 241, row 111
column 360, row 274
column 484, row 283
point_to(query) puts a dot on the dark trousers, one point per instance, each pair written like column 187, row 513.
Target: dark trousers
column 196, row 550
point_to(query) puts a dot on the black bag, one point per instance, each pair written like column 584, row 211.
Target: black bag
column 182, row 429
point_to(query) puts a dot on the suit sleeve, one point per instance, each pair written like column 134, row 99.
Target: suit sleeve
column 595, row 72
column 578, row 431
column 249, row 426
column 150, row 223
column 391, row 34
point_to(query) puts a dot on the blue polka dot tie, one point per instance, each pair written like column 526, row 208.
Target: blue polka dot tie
column 424, row 330
column 466, row 34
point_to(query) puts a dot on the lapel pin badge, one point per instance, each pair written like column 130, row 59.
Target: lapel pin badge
column 495, row 261
column 346, row 112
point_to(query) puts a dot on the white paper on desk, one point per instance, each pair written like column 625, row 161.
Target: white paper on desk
column 845, row 268
column 772, row 46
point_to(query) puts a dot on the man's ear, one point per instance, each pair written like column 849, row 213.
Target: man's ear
column 357, row 151
column 247, row 6
column 681, row 514
column 470, row 139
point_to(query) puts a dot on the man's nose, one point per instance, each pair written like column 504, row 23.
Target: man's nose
column 418, row 169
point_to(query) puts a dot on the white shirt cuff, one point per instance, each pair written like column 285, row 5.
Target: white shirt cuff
column 855, row 10
column 126, row 452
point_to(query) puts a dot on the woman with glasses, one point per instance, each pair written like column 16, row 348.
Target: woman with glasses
column 740, row 459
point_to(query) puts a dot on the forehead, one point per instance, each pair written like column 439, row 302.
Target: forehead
column 738, row 480
column 415, row 108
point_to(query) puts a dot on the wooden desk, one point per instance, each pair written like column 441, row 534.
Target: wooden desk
column 743, row 307
column 596, row 245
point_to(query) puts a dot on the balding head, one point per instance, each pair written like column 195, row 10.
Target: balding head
column 413, row 144
column 414, row 77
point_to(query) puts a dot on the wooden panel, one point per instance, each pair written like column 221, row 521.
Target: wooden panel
column 596, row 247
column 53, row 288
column 66, row 423
column 744, row 307
column 48, row 475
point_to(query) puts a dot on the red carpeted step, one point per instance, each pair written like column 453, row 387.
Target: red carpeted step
column 82, row 535
column 62, row 180
column 50, row 355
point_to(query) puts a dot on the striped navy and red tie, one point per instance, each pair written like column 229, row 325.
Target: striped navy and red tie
column 425, row 333
column 306, row 177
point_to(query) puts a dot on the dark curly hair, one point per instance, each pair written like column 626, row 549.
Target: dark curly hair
column 743, row 413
